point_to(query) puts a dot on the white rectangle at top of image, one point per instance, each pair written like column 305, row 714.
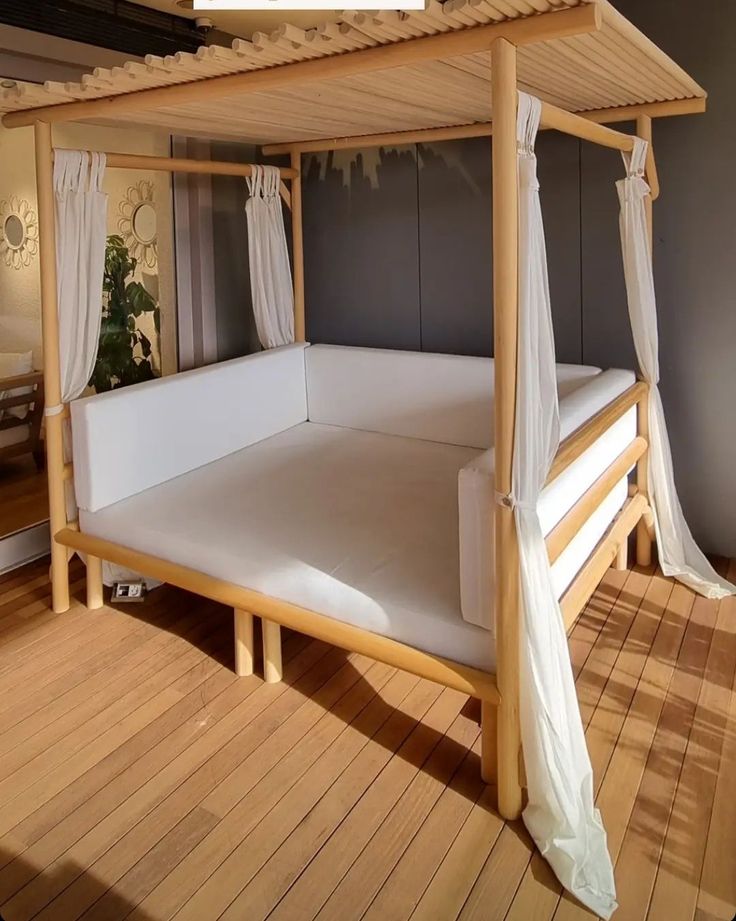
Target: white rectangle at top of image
column 214, row 6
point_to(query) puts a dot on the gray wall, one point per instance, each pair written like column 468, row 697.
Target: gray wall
column 215, row 315
column 398, row 254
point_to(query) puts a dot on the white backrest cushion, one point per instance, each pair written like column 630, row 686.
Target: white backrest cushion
column 444, row 398
column 476, row 492
column 130, row 439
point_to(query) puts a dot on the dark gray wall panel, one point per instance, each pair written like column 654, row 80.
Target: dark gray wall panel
column 455, row 205
column 236, row 331
column 455, row 246
column 695, row 264
column 558, row 168
column 361, row 249
column 605, row 320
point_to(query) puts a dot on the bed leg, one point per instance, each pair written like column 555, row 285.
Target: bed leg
column 95, row 597
column 621, row 562
column 272, row 671
column 243, row 643
column 643, row 544
column 509, row 775
column 488, row 742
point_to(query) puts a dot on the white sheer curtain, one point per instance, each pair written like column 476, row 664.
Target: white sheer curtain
column 270, row 274
column 679, row 555
column 81, row 231
column 81, row 235
column 560, row 814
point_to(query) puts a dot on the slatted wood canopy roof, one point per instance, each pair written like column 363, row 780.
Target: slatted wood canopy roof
column 379, row 72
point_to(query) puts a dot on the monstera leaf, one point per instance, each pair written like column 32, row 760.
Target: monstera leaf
column 125, row 352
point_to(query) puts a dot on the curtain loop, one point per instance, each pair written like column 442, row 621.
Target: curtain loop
column 529, row 113
column 635, row 160
column 272, row 292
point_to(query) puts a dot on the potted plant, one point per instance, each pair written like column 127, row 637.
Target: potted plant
column 125, row 352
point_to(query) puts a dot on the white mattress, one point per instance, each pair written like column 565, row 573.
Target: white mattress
column 360, row 526
column 357, row 525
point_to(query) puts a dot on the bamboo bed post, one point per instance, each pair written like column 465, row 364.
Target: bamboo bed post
column 52, row 376
column 505, row 322
column 645, row 526
column 297, row 248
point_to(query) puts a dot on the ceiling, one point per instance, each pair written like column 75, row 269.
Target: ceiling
column 244, row 24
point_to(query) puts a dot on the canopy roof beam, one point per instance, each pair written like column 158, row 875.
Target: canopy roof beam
column 544, row 27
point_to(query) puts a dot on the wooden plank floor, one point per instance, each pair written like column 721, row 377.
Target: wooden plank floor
column 24, row 497
column 140, row 779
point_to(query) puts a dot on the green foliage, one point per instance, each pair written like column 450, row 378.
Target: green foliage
column 124, row 355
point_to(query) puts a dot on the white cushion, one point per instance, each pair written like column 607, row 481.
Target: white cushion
column 130, row 439
column 476, row 496
column 13, row 364
column 359, row 526
column 445, row 398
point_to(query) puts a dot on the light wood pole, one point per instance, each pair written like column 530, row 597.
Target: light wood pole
column 51, row 371
column 297, row 255
column 645, row 526
column 505, row 336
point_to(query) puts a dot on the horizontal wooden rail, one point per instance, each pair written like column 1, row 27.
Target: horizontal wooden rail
column 21, row 380
column 544, row 27
column 179, row 165
column 20, row 399
column 666, row 109
column 586, row 581
column 561, row 535
column 479, row 129
column 582, row 438
column 552, row 118
column 455, row 675
column 575, row 125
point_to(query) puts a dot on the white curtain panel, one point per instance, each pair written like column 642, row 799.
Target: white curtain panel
column 560, row 814
column 81, row 231
column 270, row 274
column 679, row 555
column 81, row 235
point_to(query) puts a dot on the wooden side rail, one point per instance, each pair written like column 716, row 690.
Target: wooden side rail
column 33, row 419
column 584, row 437
column 451, row 674
column 564, row 532
column 587, row 580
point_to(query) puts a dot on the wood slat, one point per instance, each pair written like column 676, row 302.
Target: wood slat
column 352, row 790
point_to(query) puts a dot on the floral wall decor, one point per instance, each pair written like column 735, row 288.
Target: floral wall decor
column 137, row 224
column 18, row 232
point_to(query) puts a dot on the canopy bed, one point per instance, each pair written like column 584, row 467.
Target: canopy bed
column 448, row 516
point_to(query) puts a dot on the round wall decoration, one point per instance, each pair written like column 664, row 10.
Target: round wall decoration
column 18, row 232
column 137, row 223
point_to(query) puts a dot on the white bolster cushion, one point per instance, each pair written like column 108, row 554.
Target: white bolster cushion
column 137, row 437
column 476, row 497
column 443, row 398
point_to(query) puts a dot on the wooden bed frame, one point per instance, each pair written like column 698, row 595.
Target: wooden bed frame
column 31, row 444
column 184, row 95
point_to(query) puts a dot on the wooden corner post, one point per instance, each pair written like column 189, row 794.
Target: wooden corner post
column 297, row 247
column 505, row 336
column 645, row 527
column 51, row 370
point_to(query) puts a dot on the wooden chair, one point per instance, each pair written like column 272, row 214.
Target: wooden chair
column 30, row 425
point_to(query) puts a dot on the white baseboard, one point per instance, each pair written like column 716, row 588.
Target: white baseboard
column 24, row 546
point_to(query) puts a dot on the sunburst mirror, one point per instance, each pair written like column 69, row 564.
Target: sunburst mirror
column 137, row 223
column 18, row 232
